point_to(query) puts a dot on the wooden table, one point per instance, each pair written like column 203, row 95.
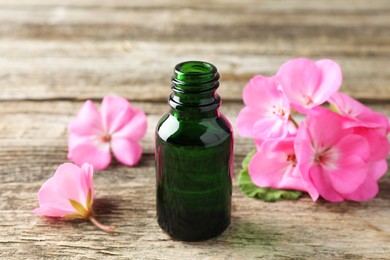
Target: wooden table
column 54, row 54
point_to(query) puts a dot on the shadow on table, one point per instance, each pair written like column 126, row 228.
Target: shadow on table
column 384, row 188
column 242, row 234
column 104, row 206
column 103, row 209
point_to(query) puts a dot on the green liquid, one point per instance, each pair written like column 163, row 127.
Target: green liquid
column 193, row 177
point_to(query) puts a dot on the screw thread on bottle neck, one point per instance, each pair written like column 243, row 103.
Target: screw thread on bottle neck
column 194, row 85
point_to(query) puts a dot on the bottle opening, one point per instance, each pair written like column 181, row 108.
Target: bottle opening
column 195, row 73
column 198, row 67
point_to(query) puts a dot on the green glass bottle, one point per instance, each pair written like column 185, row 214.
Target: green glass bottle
column 194, row 157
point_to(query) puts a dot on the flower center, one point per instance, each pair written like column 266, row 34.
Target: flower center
column 292, row 159
column 105, row 138
column 327, row 158
column 278, row 111
column 308, row 100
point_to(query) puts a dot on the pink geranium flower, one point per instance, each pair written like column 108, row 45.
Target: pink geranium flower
column 69, row 194
column 117, row 128
column 266, row 112
column 337, row 155
column 374, row 127
column 364, row 121
column 359, row 114
column 334, row 160
column 275, row 165
column 308, row 84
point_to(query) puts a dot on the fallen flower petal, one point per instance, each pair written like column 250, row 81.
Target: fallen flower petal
column 69, row 194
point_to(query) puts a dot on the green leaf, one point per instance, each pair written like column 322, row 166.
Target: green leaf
column 266, row 194
column 80, row 208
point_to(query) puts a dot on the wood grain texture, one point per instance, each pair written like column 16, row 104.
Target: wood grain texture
column 55, row 54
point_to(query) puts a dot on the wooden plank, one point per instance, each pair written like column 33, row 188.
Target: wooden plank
column 33, row 49
column 161, row 27
column 125, row 198
column 268, row 5
column 138, row 76
column 33, row 136
column 171, row 17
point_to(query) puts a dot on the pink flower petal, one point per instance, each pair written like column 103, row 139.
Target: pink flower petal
column 266, row 170
column 292, row 180
column 259, row 143
column 68, row 183
column 331, row 79
column 53, row 188
column 359, row 114
column 368, row 190
column 135, row 129
column 260, row 92
column 378, row 142
column 51, row 198
column 300, row 79
column 269, row 128
column 246, row 119
column 97, row 154
column 126, row 151
column 351, row 173
column 116, row 112
column 377, row 169
column 322, row 184
column 88, row 121
column 325, row 127
column 75, row 140
column 274, row 166
column 353, row 145
column 311, row 189
column 267, row 111
column 52, row 212
column 308, row 84
column 303, row 148
column 87, row 179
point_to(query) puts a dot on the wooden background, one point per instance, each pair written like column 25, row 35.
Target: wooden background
column 54, row 54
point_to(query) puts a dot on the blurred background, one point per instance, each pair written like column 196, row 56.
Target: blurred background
column 78, row 49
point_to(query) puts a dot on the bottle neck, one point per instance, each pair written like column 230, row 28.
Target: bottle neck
column 194, row 85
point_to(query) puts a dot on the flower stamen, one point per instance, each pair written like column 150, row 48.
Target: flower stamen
column 292, row 159
column 308, row 100
column 105, row 138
